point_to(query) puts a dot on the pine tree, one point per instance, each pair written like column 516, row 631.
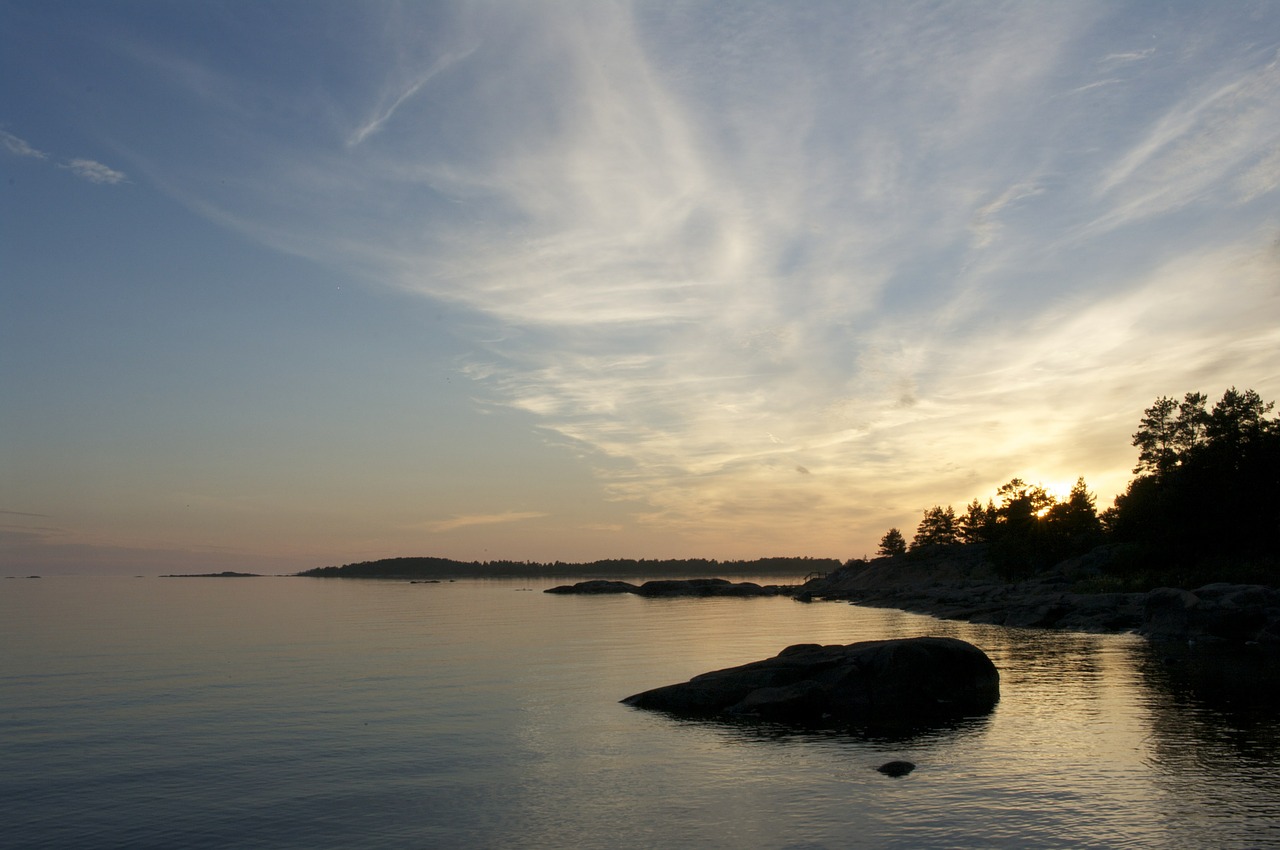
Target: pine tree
column 892, row 544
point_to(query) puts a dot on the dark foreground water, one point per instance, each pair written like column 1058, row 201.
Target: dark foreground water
column 314, row 713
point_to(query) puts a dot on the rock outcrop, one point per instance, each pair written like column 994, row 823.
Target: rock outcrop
column 924, row 679
column 1214, row 615
column 959, row 584
column 675, row 587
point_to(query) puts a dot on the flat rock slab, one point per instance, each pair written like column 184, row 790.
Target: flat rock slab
column 921, row 679
column 662, row 588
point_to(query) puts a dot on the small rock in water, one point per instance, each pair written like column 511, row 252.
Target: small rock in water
column 896, row 768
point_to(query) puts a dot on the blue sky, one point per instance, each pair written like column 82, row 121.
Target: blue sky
column 294, row 284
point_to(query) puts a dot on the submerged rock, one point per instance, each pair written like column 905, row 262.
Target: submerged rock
column 896, row 768
column 867, row 683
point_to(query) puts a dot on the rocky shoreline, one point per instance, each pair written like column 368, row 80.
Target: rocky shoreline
column 960, row 585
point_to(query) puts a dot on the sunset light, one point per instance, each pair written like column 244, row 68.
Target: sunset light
column 289, row 285
column 633, row 424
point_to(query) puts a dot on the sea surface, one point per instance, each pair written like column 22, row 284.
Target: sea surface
column 336, row 713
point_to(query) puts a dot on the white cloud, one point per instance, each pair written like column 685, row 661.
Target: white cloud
column 19, row 147
column 94, row 172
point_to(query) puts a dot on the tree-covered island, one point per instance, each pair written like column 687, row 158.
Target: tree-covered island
column 441, row 568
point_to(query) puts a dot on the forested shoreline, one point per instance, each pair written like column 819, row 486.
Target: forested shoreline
column 1204, row 506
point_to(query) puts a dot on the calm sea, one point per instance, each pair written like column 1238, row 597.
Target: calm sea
column 326, row 713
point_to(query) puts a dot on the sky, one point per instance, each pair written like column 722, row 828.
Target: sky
column 293, row 284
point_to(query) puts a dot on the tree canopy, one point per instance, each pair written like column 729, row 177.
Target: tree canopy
column 1206, row 501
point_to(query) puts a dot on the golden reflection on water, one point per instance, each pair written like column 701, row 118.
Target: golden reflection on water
column 503, row 701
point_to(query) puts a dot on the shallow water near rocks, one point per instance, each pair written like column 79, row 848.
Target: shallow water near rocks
column 325, row 713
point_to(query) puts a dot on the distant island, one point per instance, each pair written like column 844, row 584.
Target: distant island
column 442, row 568
column 223, row 574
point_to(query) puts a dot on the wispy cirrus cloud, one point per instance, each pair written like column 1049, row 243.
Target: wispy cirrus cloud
column 1115, row 59
column 878, row 245
column 385, row 111
column 1200, row 149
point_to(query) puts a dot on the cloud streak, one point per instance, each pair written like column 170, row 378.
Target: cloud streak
column 19, row 147
column 95, row 172
column 385, row 113
column 454, row 523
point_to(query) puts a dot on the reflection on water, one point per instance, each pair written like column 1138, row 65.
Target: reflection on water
column 1214, row 735
column 315, row 714
column 910, row 733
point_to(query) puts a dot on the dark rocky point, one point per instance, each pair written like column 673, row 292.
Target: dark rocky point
column 960, row 584
column 668, row 588
column 923, row 679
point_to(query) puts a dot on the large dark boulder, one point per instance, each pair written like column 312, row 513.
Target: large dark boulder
column 904, row 680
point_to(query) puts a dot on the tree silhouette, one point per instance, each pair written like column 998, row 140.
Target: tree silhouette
column 892, row 544
column 975, row 524
column 1207, row 500
column 1168, row 431
column 937, row 528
